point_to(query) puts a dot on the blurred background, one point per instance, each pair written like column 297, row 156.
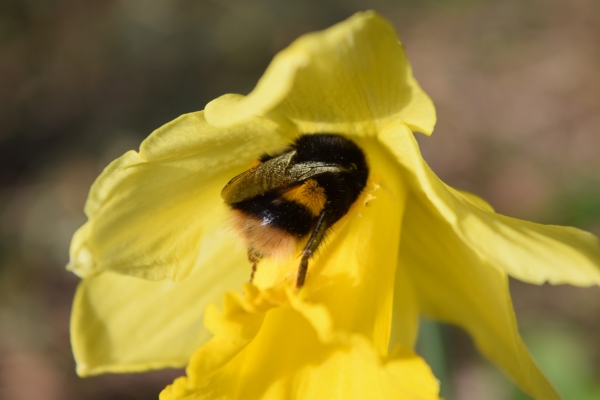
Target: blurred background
column 516, row 85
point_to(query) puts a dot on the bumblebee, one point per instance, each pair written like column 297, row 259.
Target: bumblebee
column 296, row 195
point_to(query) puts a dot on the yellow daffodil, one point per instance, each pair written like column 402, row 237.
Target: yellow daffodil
column 157, row 249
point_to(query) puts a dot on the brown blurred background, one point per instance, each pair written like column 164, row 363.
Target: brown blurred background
column 516, row 85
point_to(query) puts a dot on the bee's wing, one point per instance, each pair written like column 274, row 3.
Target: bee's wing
column 277, row 173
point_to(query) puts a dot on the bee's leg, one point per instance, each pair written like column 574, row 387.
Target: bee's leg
column 315, row 240
column 253, row 257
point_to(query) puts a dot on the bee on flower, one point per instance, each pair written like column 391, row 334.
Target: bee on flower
column 380, row 239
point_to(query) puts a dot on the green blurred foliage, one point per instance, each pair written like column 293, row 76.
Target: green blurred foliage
column 563, row 353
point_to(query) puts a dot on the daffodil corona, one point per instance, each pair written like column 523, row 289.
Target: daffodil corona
column 158, row 250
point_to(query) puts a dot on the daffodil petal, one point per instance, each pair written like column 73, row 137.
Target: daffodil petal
column 454, row 285
column 351, row 78
column 123, row 323
column 472, row 198
column 151, row 212
column 405, row 313
column 251, row 357
column 531, row 252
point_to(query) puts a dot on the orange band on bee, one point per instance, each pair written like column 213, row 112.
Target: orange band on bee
column 255, row 163
column 309, row 195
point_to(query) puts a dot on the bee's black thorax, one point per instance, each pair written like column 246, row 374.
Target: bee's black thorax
column 301, row 191
column 342, row 188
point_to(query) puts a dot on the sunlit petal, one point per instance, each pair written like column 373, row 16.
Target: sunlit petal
column 151, row 212
column 122, row 323
column 351, row 78
column 528, row 251
column 454, row 285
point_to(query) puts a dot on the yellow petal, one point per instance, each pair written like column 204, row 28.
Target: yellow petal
column 151, row 212
column 122, row 323
column 528, row 251
column 453, row 284
column 405, row 313
column 472, row 198
column 272, row 345
column 351, row 78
